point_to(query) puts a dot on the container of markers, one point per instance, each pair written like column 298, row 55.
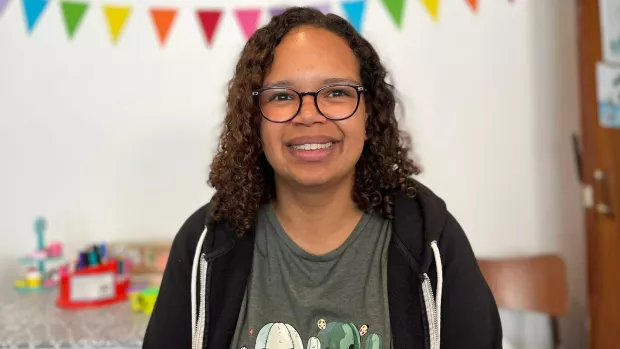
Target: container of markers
column 93, row 280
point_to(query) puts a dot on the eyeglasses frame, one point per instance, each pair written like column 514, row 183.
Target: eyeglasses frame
column 358, row 88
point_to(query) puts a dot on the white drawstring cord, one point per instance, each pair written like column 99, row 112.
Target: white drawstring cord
column 439, row 268
column 194, row 283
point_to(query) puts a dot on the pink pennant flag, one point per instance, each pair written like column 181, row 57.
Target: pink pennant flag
column 248, row 20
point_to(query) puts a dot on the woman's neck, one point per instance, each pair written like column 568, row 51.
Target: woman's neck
column 317, row 219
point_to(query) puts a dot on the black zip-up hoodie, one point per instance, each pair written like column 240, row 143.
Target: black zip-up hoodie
column 437, row 294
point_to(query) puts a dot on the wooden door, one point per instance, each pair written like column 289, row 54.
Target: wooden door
column 601, row 173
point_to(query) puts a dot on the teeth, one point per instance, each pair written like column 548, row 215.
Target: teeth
column 312, row 146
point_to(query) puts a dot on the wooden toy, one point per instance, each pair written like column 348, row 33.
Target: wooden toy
column 37, row 278
column 93, row 280
column 143, row 300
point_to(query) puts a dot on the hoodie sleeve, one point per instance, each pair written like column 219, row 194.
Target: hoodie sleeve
column 170, row 323
column 469, row 314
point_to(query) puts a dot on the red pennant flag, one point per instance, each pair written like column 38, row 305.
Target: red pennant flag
column 163, row 19
column 209, row 20
column 248, row 20
column 473, row 4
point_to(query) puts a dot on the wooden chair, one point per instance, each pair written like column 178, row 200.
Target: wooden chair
column 536, row 284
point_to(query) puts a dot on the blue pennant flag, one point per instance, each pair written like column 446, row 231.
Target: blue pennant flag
column 354, row 12
column 32, row 11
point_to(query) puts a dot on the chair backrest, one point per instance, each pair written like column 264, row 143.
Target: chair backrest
column 528, row 283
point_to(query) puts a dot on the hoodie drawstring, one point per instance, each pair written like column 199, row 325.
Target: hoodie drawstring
column 433, row 303
column 198, row 320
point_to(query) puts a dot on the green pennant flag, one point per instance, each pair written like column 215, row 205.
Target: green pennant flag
column 73, row 12
column 395, row 8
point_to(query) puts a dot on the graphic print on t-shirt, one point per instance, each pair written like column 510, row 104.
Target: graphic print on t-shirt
column 332, row 335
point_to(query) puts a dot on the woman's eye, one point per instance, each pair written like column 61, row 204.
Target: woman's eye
column 280, row 97
column 339, row 92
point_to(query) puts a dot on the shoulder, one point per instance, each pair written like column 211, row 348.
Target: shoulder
column 187, row 237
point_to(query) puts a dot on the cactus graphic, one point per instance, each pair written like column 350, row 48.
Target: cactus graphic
column 338, row 335
column 314, row 343
column 278, row 336
column 374, row 342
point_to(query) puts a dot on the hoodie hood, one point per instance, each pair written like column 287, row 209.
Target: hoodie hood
column 425, row 212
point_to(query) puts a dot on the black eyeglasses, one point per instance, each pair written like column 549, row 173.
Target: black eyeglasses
column 334, row 102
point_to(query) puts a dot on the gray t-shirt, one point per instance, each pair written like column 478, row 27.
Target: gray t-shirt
column 296, row 300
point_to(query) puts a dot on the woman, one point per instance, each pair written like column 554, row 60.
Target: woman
column 317, row 235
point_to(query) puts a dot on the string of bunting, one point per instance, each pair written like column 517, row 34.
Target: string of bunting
column 116, row 15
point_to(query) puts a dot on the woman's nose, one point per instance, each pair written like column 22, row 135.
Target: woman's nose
column 309, row 114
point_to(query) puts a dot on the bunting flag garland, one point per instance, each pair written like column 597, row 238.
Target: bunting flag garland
column 73, row 12
column 354, row 13
column 432, row 6
column 32, row 12
column 325, row 8
column 473, row 4
column 3, row 4
column 208, row 21
column 248, row 20
column 116, row 16
column 162, row 20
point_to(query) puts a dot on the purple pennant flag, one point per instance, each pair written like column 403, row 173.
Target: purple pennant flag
column 3, row 4
column 325, row 8
column 274, row 11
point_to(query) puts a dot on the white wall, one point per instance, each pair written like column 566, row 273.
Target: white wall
column 115, row 142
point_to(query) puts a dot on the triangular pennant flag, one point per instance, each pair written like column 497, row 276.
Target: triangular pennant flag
column 395, row 8
column 32, row 11
column 163, row 19
column 325, row 8
column 275, row 11
column 248, row 20
column 354, row 12
column 3, row 4
column 473, row 4
column 73, row 12
column 432, row 6
column 116, row 16
column 209, row 20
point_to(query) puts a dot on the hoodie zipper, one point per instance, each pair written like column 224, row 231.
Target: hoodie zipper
column 198, row 340
column 431, row 312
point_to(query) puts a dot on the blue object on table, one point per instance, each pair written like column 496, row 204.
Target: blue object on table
column 39, row 229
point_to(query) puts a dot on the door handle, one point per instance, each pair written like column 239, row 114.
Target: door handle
column 603, row 206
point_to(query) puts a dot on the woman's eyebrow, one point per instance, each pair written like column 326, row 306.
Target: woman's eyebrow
column 332, row 81
column 280, row 83
column 328, row 81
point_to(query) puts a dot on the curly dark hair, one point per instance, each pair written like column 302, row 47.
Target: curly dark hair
column 240, row 173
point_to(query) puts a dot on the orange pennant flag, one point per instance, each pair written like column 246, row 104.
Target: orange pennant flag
column 473, row 4
column 163, row 19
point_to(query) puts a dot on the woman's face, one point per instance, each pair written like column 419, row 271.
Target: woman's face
column 311, row 150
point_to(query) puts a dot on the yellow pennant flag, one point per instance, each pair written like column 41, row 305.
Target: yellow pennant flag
column 432, row 6
column 116, row 17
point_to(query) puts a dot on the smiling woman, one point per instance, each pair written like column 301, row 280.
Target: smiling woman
column 318, row 236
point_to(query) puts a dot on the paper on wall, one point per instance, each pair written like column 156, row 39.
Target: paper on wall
column 610, row 29
column 608, row 95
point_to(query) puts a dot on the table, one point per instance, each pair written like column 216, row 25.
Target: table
column 34, row 321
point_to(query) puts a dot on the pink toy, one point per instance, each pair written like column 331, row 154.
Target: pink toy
column 54, row 249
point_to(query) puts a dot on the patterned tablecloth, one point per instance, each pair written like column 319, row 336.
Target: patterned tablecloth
column 34, row 321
